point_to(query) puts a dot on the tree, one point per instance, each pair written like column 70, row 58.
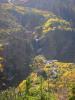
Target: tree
column 28, row 85
column 3, row 76
column 39, row 62
column 73, row 94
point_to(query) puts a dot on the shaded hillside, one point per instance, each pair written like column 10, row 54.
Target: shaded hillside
column 63, row 8
column 26, row 32
column 59, row 45
column 3, row 1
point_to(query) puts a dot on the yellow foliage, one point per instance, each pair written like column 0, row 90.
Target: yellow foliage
column 1, row 47
column 1, row 58
column 10, row 30
column 22, row 86
column 47, row 84
column 62, row 64
column 47, row 30
column 33, row 76
column 44, row 13
column 61, row 85
column 6, row 6
column 1, row 67
column 46, row 69
column 62, row 25
column 69, row 75
column 39, row 61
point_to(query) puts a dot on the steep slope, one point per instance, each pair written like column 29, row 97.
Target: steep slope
column 8, row 22
column 26, row 32
column 63, row 8
column 3, row 1
column 52, row 75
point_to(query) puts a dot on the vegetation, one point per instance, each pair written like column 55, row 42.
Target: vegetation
column 50, row 80
column 25, row 74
